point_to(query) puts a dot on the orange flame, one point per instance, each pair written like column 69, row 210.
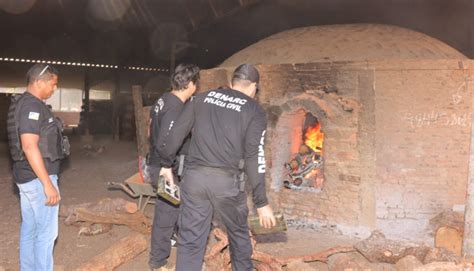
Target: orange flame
column 314, row 138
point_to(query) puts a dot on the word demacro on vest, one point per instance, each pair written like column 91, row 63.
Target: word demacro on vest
column 225, row 101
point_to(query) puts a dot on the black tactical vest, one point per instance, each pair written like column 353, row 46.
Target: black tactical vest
column 50, row 141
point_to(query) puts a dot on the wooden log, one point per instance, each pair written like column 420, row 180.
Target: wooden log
column 219, row 258
column 441, row 255
column 266, row 258
column 321, row 256
column 141, row 121
column 263, row 267
column 226, row 262
column 450, row 219
column 136, row 221
column 219, row 246
column 419, row 252
column 119, row 253
column 378, row 249
column 215, row 259
column 91, row 229
column 107, row 205
column 103, row 205
column 213, row 263
column 450, row 239
column 276, row 267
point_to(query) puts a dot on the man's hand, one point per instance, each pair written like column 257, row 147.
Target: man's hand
column 52, row 194
column 266, row 217
column 168, row 174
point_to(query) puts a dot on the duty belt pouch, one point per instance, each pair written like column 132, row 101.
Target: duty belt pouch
column 241, row 177
column 181, row 165
column 240, row 180
column 66, row 147
column 169, row 192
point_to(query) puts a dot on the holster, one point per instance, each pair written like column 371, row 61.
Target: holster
column 181, row 165
column 241, row 177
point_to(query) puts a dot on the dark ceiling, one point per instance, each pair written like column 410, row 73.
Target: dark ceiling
column 206, row 32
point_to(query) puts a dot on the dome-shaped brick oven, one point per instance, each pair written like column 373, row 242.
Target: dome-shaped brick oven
column 352, row 42
column 393, row 108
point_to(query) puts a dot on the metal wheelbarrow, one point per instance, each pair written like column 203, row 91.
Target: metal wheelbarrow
column 136, row 188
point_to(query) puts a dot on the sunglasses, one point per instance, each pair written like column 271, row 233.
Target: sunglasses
column 43, row 71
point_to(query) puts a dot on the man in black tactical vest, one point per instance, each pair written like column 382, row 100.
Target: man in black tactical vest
column 36, row 147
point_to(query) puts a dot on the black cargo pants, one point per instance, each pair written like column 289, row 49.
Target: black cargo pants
column 202, row 193
column 164, row 223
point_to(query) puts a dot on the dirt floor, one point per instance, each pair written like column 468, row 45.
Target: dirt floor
column 84, row 179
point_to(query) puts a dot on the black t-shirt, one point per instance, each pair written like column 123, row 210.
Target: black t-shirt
column 163, row 114
column 32, row 116
column 227, row 126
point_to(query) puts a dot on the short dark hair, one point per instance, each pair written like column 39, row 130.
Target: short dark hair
column 245, row 75
column 246, row 72
column 183, row 74
column 40, row 72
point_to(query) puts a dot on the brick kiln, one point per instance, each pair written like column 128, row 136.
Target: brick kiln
column 394, row 110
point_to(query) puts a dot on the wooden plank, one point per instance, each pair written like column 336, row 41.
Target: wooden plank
column 140, row 122
column 119, row 253
column 450, row 239
column 136, row 221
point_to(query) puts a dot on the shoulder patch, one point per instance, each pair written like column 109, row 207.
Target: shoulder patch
column 159, row 105
column 33, row 116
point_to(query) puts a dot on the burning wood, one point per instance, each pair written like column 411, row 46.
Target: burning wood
column 314, row 138
column 305, row 169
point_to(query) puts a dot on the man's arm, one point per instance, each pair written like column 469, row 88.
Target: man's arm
column 175, row 135
column 255, row 167
column 29, row 143
column 167, row 121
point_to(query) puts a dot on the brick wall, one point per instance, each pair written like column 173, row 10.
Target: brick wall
column 397, row 137
column 423, row 120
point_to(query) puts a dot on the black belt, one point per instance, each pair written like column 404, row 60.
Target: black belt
column 217, row 171
column 238, row 176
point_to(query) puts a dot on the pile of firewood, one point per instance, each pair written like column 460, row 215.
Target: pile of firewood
column 373, row 253
column 218, row 256
column 99, row 217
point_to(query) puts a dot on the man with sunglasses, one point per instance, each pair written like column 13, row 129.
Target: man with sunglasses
column 36, row 147
column 228, row 127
